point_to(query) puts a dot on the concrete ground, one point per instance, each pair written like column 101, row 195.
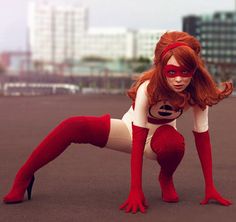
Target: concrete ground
column 88, row 184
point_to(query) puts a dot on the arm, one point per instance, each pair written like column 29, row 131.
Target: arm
column 136, row 200
column 203, row 145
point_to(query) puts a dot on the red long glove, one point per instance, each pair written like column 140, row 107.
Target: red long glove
column 203, row 145
column 136, row 200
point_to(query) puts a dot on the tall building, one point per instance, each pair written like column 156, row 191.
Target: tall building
column 55, row 32
column 60, row 34
column 217, row 34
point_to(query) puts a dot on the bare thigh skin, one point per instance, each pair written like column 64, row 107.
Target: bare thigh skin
column 119, row 138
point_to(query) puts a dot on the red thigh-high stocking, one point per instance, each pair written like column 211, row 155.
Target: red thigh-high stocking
column 81, row 129
column 168, row 144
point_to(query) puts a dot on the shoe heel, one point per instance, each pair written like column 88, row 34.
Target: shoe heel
column 29, row 188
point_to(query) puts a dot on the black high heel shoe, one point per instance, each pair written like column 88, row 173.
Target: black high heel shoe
column 29, row 188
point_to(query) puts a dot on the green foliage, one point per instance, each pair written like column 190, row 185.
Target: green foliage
column 95, row 59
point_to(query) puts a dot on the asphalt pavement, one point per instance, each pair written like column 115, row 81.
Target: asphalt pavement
column 87, row 183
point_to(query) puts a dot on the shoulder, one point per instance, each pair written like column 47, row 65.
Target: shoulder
column 141, row 106
column 144, row 84
column 141, row 99
column 142, row 89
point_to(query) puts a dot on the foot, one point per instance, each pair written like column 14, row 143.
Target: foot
column 169, row 193
column 16, row 195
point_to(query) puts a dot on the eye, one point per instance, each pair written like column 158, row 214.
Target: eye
column 171, row 72
column 185, row 72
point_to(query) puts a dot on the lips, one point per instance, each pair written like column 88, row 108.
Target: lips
column 178, row 86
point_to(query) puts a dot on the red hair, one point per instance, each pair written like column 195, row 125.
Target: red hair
column 201, row 91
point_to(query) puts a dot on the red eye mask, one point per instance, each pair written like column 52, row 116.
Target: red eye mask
column 171, row 71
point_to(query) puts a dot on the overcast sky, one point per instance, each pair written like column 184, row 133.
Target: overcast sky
column 157, row 14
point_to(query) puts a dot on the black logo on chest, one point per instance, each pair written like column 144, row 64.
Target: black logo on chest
column 164, row 110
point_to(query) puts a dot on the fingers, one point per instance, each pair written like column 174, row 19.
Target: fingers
column 128, row 208
column 134, row 208
column 142, row 208
column 220, row 199
column 123, row 205
column 223, row 201
column 205, row 201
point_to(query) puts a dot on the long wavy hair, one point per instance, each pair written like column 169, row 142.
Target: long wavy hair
column 201, row 91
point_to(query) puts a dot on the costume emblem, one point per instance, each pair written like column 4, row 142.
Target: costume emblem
column 164, row 110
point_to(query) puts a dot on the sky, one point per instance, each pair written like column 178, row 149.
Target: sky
column 136, row 14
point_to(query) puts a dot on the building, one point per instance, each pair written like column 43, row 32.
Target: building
column 108, row 43
column 55, row 32
column 146, row 40
column 15, row 63
column 60, row 34
column 217, row 34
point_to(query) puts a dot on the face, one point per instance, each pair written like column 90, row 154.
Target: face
column 178, row 78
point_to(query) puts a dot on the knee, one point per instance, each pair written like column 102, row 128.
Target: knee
column 167, row 139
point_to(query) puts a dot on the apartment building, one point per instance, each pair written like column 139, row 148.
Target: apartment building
column 61, row 33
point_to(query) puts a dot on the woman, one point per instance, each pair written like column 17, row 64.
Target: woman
column 177, row 82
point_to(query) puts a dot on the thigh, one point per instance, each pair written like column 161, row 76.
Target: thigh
column 119, row 137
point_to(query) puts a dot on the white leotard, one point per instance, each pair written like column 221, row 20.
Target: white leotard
column 161, row 113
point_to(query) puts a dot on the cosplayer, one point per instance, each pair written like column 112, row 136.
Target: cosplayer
column 177, row 82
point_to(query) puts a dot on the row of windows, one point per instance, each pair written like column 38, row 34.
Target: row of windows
column 51, row 18
column 103, row 49
column 50, row 12
column 145, row 37
column 107, row 54
column 101, row 44
column 218, row 40
column 226, row 15
column 47, row 32
column 97, row 41
column 227, row 60
column 219, row 45
column 217, row 22
column 50, row 22
column 229, row 31
column 231, row 49
column 56, row 36
column 60, row 26
column 219, row 54
column 219, row 36
column 218, row 29
column 147, row 41
column 108, row 36
column 146, row 47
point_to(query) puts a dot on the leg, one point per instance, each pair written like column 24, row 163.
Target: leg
column 168, row 144
column 81, row 129
column 119, row 137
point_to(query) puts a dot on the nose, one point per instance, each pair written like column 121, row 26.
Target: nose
column 178, row 79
